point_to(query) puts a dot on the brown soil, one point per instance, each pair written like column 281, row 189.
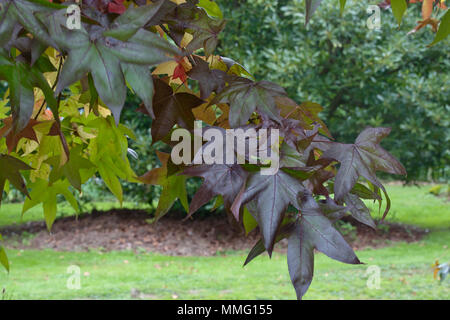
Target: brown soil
column 132, row 230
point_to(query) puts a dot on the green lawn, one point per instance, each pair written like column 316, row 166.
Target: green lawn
column 416, row 206
column 405, row 269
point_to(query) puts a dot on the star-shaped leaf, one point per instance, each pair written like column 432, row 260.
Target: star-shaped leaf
column 209, row 79
column 71, row 169
column 272, row 195
column 307, row 113
column 246, row 96
column 444, row 29
column 362, row 159
column 172, row 108
column 108, row 58
column 206, row 32
column 314, row 231
column 23, row 12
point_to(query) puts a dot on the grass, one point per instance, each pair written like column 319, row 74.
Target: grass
column 405, row 269
column 414, row 205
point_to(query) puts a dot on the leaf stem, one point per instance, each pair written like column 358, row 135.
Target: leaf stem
column 184, row 50
column 53, row 88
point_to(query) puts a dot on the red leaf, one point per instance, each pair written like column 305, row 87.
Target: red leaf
column 116, row 6
column 179, row 73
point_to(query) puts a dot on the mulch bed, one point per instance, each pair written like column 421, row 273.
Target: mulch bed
column 132, row 230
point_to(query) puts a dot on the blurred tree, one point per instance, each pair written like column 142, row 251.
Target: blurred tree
column 362, row 77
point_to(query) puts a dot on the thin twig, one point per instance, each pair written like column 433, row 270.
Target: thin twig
column 53, row 88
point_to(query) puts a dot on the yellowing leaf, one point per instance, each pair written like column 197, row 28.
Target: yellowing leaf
column 206, row 113
column 186, row 39
column 427, row 9
column 85, row 135
column 3, row 108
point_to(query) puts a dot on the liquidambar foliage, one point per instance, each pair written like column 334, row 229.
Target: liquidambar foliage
column 68, row 66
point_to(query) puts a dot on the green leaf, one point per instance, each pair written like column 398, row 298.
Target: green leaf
column 258, row 248
column 205, row 35
column 24, row 12
column 103, row 59
column 342, row 6
column 211, row 8
column 109, row 153
column 307, row 113
column 140, row 80
column 174, row 186
column 398, row 9
column 71, row 169
column 249, row 222
column 363, row 192
column 444, row 29
column 49, row 207
column 3, row 257
column 246, row 96
column 107, row 173
column 217, row 203
column 45, row 193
